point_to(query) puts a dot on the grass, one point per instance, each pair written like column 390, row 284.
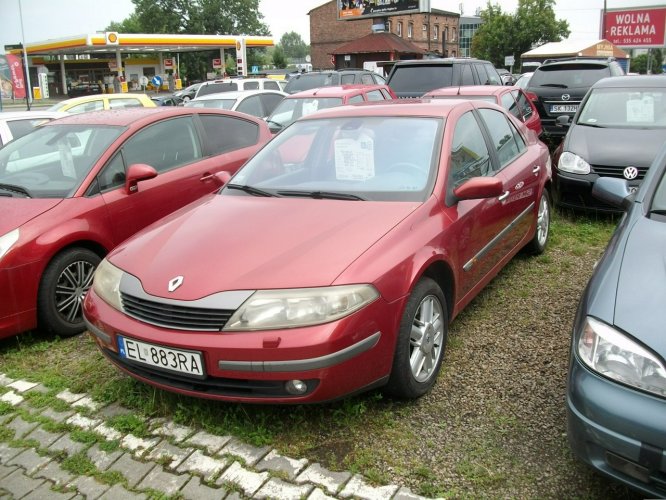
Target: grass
column 368, row 434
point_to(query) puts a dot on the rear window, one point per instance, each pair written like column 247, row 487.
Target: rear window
column 212, row 88
column 311, row 81
column 568, row 75
column 421, row 78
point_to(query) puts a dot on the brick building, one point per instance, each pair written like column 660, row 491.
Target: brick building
column 435, row 32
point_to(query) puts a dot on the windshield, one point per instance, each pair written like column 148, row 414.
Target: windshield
column 486, row 98
column 625, row 108
column 211, row 103
column 290, row 110
column 363, row 158
column 52, row 161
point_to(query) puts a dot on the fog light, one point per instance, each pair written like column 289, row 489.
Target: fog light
column 296, row 387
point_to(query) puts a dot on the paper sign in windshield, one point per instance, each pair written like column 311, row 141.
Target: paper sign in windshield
column 641, row 110
column 354, row 159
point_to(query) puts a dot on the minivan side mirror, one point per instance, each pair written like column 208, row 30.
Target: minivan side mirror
column 136, row 173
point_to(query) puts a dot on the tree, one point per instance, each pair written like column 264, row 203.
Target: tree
column 639, row 64
column 293, row 46
column 501, row 34
column 279, row 60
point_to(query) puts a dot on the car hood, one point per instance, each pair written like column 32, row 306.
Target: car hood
column 17, row 211
column 232, row 242
column 615, row 147
column 641, row 285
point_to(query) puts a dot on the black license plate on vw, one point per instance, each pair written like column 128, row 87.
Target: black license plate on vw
column 184, row 362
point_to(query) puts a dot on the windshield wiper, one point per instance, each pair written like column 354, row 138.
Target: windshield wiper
column 557, row 85
column 250, row 190
column 658, row 211
column 16, row 189
column 329, row 195
column 590, row 125
column 277, row 124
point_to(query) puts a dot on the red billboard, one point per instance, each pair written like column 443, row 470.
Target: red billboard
column 636, row 28
column 12, row 82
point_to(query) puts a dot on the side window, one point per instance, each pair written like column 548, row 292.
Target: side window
column 86, row 106
column 379, row 79
column 509, row 103
column 19, row 128
column 469, row 152
column 493, row 76
column 164, row 145
column 251, row 86
column 226, row 133
column 523, row 103
column 251, row 106
column 466, row 77
column 375, row 95
column 347, row 79
column 386, row 95
column 355, row 98
column 367, row 79
column 124, row 103
column 271, row 86
column 113, row 174
column 502, row 135
column 270, row 102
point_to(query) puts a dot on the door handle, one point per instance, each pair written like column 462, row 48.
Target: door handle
column 536, row 170
column 504, row 196
column 206, row 177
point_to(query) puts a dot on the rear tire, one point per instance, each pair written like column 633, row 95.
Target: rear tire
column 421, row 342
column 542, row 231
column 61, row 292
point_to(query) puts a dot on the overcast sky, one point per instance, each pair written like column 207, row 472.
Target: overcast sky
column 47, row 19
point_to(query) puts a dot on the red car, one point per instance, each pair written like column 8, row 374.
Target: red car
column 74, row 188
column 513, row 99
column 305, row 281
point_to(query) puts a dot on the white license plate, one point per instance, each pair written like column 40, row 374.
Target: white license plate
column 166, row 358
column 563, row 108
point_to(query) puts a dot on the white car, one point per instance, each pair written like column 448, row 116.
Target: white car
column 260, row 103
column 233, row 84
column 15, row 124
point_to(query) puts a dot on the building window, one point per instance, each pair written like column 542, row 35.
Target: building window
column 410, row 30
column 453, row 34
column 446, row 34
column 425, row 31
column 399, row 30
column 435, row 32
column 388, row 26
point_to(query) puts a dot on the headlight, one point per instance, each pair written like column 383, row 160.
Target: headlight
column 7, row 241
column 272, row 309
column 106, row 283
column 614, row 355
column 570, row 162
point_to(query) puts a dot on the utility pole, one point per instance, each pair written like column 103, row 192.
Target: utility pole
column 28, row 90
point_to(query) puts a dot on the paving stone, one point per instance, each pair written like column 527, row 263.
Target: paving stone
column 86, row 402
column 357, row 488
column 89, row 487
column 22, row 385
column 234, row 495
column 103, row 459
column 21, row 427
column 85, row 423
column 138, row 445
column 133, row 470
column 5, row 380
column 29, row 460
column 19, row 485
column 69, row 397
column 198, row 463
column 330, row 481
column 318, row 494
column 250, row 454
column 44, row 492
column 44, row 438
column 210, row 442
column 6, row 471
column 275, row 462
column 114, row 410
column 12, row 398
column 245, row 479
column 166, row 450
column 66, row 444
column 196, row 490
column 7, row 452
column 117, row 491
column 108, row 433
column 171, row 430
column 57, row 416
column 406, row 494
column 163, row 481
column 280, row 490
column 54, row 473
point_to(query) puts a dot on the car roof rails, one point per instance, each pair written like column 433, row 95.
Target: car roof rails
column 579, row 58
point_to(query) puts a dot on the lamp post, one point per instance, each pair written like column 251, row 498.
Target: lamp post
column 28, row 89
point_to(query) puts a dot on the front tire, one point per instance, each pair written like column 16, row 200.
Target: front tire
column 61, row 292
column 421, row 342
column 542, row 232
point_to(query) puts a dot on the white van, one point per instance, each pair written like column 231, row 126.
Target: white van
column 233, row 84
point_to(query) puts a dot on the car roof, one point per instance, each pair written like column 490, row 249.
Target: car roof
column 437, row 108
column 235, row 94
column 97, row 97
column 632, row 81
column 336, row 90
column 471, row 90
column 436, row 61
column 36, row 114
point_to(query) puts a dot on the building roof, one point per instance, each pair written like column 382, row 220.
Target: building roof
column 599, row 48
column 379, row 42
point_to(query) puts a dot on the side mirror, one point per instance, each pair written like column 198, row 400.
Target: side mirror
column 479, row 187
column 136, row 173
column 613, row 191
column 563, row 121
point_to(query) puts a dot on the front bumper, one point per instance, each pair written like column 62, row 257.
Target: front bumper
column 333, row 360
column 575, row 191
column 618, row 431
column 18, row 305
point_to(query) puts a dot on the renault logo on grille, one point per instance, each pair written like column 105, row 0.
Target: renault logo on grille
column 566, row 97
column 630, row 173
column 175, row 283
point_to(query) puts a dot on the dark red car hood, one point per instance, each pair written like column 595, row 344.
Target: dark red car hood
column 14, row 212
column 248, row 243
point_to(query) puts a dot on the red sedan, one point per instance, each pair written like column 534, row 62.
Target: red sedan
column 305, row 281
column 73, row 189
column 513, row 99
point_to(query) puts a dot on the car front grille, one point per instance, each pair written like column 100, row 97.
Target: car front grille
column 617, row 171
column 175, row 316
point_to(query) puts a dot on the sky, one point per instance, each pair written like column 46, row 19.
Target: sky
column 47, row 19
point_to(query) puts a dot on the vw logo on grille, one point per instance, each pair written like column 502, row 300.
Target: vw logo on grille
column 175, row 283
column 630, row 173
column 566, row 97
